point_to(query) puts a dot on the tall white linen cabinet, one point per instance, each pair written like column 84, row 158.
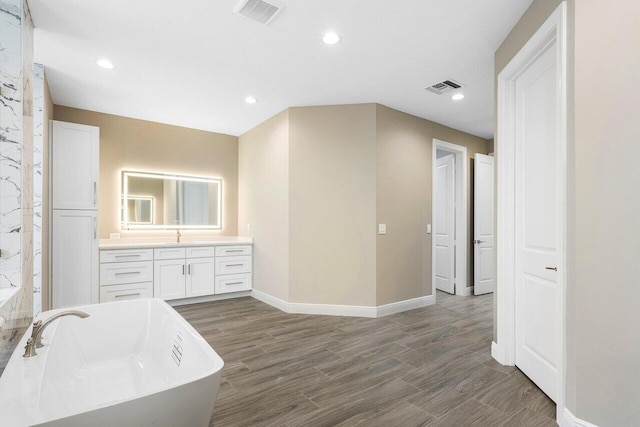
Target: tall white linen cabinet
column 75, row 173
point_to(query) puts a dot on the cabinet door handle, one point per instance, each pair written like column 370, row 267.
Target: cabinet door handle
column 95, row 228
column 127, row 295
column 189, row 270
column 95, row 193
column 183, row 269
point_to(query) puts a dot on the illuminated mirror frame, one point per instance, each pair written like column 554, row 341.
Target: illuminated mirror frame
column 134, row 226
column 142, row 198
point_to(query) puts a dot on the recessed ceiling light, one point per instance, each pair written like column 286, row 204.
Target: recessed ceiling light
column 250, row 100
column 457, row 97
column 105, row 63
column 331, row 38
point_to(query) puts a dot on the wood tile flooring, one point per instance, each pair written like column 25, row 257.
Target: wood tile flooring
column 425, row 367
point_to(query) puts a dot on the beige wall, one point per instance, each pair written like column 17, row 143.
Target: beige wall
column 404, row 175
column 47, row 114
column 606, row 337
column 263, row 202
column 332, row 205
column 130, row 144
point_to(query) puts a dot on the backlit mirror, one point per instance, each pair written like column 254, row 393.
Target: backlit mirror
column 162, row 201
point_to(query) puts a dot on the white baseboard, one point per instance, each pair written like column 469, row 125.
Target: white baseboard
column 406, row 305
column 465, row 292
column 497, row 352
column 208, row 298
column 570, row 420
column 343, row 310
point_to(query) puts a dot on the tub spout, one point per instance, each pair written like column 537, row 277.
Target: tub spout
column 35, row 341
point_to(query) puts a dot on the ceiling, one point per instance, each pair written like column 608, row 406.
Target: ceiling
column 192, row 63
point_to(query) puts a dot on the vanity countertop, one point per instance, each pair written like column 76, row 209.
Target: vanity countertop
column 185, row 242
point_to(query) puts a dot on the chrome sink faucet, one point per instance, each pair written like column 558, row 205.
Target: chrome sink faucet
column 178, row 235
column 35, row 341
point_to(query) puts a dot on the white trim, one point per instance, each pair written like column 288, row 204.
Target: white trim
column 343, row 310
column 504, row 350
column 570, row 420
column 465, row 292
column 406, row 305
column 208, row 298
column 462, row 239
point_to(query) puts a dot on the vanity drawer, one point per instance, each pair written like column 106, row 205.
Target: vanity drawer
column 125, row 292
column 233, row 250
column 233, row 283
column 126, row 272
column 200, row 252
column 126, row 255
column 233, row 265
column 169, row 253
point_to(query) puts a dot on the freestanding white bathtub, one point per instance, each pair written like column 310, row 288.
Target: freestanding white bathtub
column 131, row 363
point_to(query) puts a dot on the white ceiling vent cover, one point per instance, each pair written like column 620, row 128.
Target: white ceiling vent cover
column 259, row 10
column 445, row 86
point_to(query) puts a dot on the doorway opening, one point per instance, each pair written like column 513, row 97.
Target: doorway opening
column 449, row 213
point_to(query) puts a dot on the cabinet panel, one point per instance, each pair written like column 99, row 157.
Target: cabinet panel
column 74, row 258
column 233, row 265
column 169, row 279
column 200, row 252
column 75, row 166
column 233, row 283
column 200, row 277
column 233, row 250
column 126, row 292
column 126, row 255
column 126, row 272
column 169, row 253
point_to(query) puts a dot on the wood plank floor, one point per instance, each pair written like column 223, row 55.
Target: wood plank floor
column 425, row 367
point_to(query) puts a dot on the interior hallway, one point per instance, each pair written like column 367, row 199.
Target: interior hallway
column 430, row 366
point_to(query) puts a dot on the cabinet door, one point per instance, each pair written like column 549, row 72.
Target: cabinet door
column 200, row 277
column 169, row 279
column 75, row 167
column 74, row 258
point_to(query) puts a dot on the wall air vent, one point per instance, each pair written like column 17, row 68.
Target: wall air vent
column 259, row 10
column 446, row 86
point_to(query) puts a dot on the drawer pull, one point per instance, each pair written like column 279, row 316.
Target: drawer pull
column 127, row 295
column 128, row 272
column 127, row 256
column 234, row 265
column 233, row 250
column 233, row 283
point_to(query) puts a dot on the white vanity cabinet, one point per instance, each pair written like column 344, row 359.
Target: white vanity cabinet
column 174, row 272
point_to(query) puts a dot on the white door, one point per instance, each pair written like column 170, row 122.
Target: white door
column 196, row 203
column 200, row 277
column 444, row 223
column 75, row 258
column 484, row 278
column 75, row 166
column 538, row 225
column 169, row 279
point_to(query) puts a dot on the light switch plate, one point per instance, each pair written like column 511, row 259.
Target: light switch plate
column 428, row 228
column 382, row 228
column 114, row 235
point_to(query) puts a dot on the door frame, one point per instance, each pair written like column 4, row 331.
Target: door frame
column 503, row 350
column 462, row 240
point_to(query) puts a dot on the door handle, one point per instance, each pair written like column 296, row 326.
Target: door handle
column 95, row 193
column 189, row 269
column 477, row 242
column 95, row 228
column 183, row 269
column 552, row 268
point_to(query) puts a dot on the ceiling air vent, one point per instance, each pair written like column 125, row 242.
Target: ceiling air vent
column 259, row 10
column 446, row 86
